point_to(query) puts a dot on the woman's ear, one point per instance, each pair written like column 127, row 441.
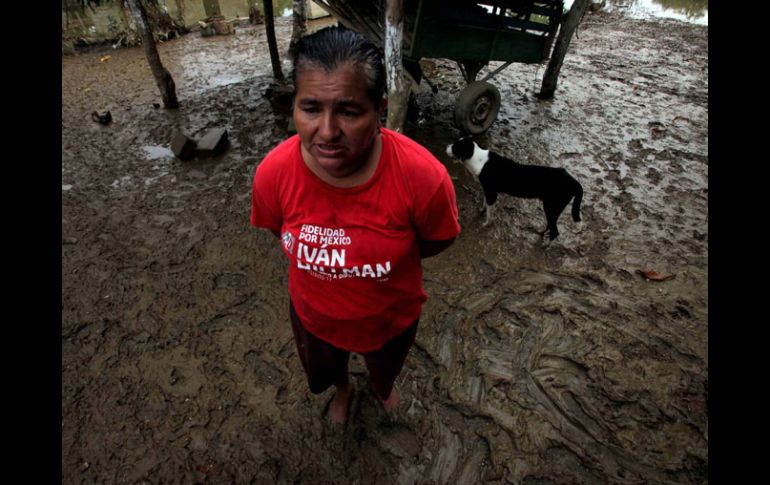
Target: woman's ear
column 382, row 111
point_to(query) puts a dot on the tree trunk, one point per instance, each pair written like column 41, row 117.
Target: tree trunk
column 180, row 11
column 568, row 26
column 299, row 24
column 162, row 76
column 267, row 6
column 398, row 89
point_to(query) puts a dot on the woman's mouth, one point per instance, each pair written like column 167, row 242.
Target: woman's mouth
column 329, row 150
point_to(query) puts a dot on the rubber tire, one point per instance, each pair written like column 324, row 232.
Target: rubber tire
column 477, row 107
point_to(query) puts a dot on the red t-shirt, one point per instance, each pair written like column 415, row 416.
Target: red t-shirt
column 355, row 276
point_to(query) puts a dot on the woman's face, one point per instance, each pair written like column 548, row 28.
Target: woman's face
column 335, row 119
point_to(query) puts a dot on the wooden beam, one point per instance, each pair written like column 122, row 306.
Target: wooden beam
column 568, row 26
column 298, row 23
column 162, row 77
column 398, row 89
column 267, row 5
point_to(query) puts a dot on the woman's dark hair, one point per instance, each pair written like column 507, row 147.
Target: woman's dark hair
column 336, row 46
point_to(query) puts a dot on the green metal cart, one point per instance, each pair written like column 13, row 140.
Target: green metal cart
column 472, row 33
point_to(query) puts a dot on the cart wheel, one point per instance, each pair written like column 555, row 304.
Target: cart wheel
column 477, row 107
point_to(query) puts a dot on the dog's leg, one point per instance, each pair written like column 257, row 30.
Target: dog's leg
column 545, row 242
column 576, row 202
column 552, row 212
column 488, row 216
column 490, row 198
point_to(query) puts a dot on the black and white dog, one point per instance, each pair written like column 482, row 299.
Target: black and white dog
column 497, row 174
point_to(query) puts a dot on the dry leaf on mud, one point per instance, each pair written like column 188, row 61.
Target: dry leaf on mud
column 105, row 58
column 651, row 275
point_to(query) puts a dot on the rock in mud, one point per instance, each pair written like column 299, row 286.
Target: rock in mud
column 212, row 143
column 224, row 28
column 183, row 146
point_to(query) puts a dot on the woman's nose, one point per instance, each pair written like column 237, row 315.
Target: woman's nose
column 329, row 130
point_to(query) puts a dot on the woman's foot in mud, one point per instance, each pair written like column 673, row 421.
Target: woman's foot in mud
column 391, row 402
column 338, row 409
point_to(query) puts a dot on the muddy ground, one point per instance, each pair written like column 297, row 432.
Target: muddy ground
column 533, row 365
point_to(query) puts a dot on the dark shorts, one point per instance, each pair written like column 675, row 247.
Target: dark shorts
column 326, row 364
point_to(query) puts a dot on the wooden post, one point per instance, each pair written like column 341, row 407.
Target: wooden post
column 162, row 77
column 267, row 5
column 568, row 26
column 180, row 10
column 299, row 23
column 398, row 89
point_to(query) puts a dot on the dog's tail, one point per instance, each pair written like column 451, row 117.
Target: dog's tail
column 576, row 202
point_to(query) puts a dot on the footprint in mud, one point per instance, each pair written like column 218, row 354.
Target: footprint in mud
column 675, row 167
column 670, row 189
column 654, row 176
column 627, row 181
column 182, row 380
column 229, row 280
column 626, row 204
column 635, row 144
column 399, row 441
column 265, row 372
column 613, row 174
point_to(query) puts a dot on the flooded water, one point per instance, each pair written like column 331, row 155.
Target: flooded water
column 533, row 365
column 155, row 152
column 693, row 11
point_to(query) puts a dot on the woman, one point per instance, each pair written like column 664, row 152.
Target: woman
column 356, row 206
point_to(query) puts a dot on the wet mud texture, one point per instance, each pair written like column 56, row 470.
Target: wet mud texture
column 533, row 365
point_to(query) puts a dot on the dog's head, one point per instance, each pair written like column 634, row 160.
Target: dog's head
column 461, row 149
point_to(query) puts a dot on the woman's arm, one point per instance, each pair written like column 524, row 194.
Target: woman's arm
column 432, row 248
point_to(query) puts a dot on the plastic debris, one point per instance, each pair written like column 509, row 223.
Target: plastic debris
column 651, row 275
column 103, row 118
